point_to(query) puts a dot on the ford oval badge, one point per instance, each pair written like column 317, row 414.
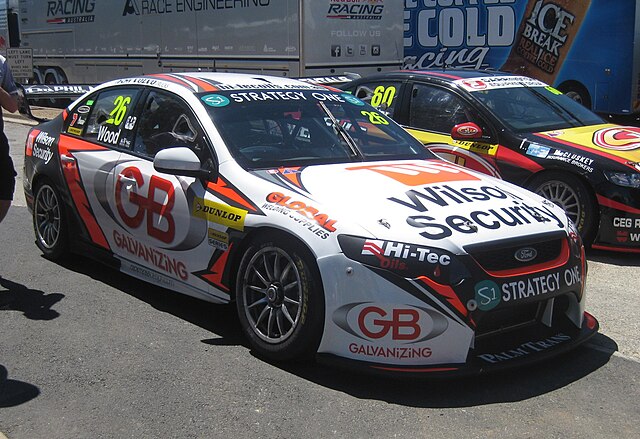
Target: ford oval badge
column 526, row 254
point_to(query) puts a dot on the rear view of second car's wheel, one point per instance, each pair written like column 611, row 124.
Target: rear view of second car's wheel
column 570, row 193
column 49, row 222
column 280, row 299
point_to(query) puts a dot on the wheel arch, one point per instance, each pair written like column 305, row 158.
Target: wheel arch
column 266, row 232
column 550, row 172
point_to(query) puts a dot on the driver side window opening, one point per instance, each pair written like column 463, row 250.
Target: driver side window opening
column 166, row 122
column 437, row 109
column 109, row 120
column 380, row 95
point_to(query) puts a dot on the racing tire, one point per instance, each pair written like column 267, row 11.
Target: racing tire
column 280, row 300
column 578, row 93
column 49, row 222
column 573, row 196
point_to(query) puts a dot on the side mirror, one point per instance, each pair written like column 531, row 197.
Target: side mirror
column 23, row 105
column 466, row 131
column 180, row 160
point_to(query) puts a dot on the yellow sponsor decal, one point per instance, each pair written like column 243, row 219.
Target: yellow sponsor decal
column 218, row 239
column 553, row 90
column 219, row 213
column 478, row 148
column 74, row 130
column 426, row 137
column 621, row 141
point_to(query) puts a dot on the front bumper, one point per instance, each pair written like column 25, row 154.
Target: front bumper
column 520, row 348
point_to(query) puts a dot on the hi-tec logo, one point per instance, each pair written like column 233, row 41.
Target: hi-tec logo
column 385, row 251
column 525, row 254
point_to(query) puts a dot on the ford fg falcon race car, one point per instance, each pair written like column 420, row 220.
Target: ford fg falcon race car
column 526, row 132
column 336, row 233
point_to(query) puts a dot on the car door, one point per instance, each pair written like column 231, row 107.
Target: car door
column 163, row 233
column 432, row 113
column 95, row 135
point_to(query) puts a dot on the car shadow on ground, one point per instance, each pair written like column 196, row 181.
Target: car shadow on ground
column 614, row 258
column 221, row 320
column 13, row 392
column 499, row 387
column 504, row 386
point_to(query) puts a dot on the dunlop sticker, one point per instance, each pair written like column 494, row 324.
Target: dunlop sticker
column 218, row 239
column 219, row 213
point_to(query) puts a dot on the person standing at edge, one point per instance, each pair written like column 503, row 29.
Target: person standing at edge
column 9, row 102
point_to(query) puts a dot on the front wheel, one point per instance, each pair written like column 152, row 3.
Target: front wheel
column 280, row 300
column 572, row 195
column 49, row 222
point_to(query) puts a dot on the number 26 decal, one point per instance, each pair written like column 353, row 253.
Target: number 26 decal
column 119, row 110
column 375, row 118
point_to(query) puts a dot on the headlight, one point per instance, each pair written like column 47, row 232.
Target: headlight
column 627, row 179
column 406, row 260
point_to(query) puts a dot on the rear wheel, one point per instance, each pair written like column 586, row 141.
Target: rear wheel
column 577, row 92
column 570, row 193
column 49, row 222
column 280, row 299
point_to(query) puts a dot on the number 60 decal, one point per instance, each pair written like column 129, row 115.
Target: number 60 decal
column 382, row 95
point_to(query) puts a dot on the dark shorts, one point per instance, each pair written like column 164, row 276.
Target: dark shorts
column 7, row 172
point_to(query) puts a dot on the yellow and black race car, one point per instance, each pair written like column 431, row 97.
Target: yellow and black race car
column 526, row 132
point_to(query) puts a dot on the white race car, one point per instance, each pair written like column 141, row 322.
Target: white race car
column 334, row 231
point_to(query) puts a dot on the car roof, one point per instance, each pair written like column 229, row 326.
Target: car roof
column 443, row 75
column 202, row 82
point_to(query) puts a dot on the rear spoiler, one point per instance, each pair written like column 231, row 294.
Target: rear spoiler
column 332, row 81
column 35, row 92
column 55, row 91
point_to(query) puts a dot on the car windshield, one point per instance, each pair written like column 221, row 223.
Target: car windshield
column 275, row 128
column 535, row 109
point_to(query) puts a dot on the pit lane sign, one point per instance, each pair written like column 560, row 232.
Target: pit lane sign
column 21, row 62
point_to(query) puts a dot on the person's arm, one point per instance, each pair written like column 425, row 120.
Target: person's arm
column 8, row 101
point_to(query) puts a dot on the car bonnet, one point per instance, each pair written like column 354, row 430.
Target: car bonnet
column 430, row 202
column 621, row 143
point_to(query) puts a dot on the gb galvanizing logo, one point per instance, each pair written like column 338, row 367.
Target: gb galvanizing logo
column 390, row 331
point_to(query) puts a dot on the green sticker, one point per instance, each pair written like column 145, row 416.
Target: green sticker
column 215, row 100
column 352, row 99
column 487, row 295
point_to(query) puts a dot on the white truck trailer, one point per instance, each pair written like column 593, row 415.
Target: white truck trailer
column 90, row 41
